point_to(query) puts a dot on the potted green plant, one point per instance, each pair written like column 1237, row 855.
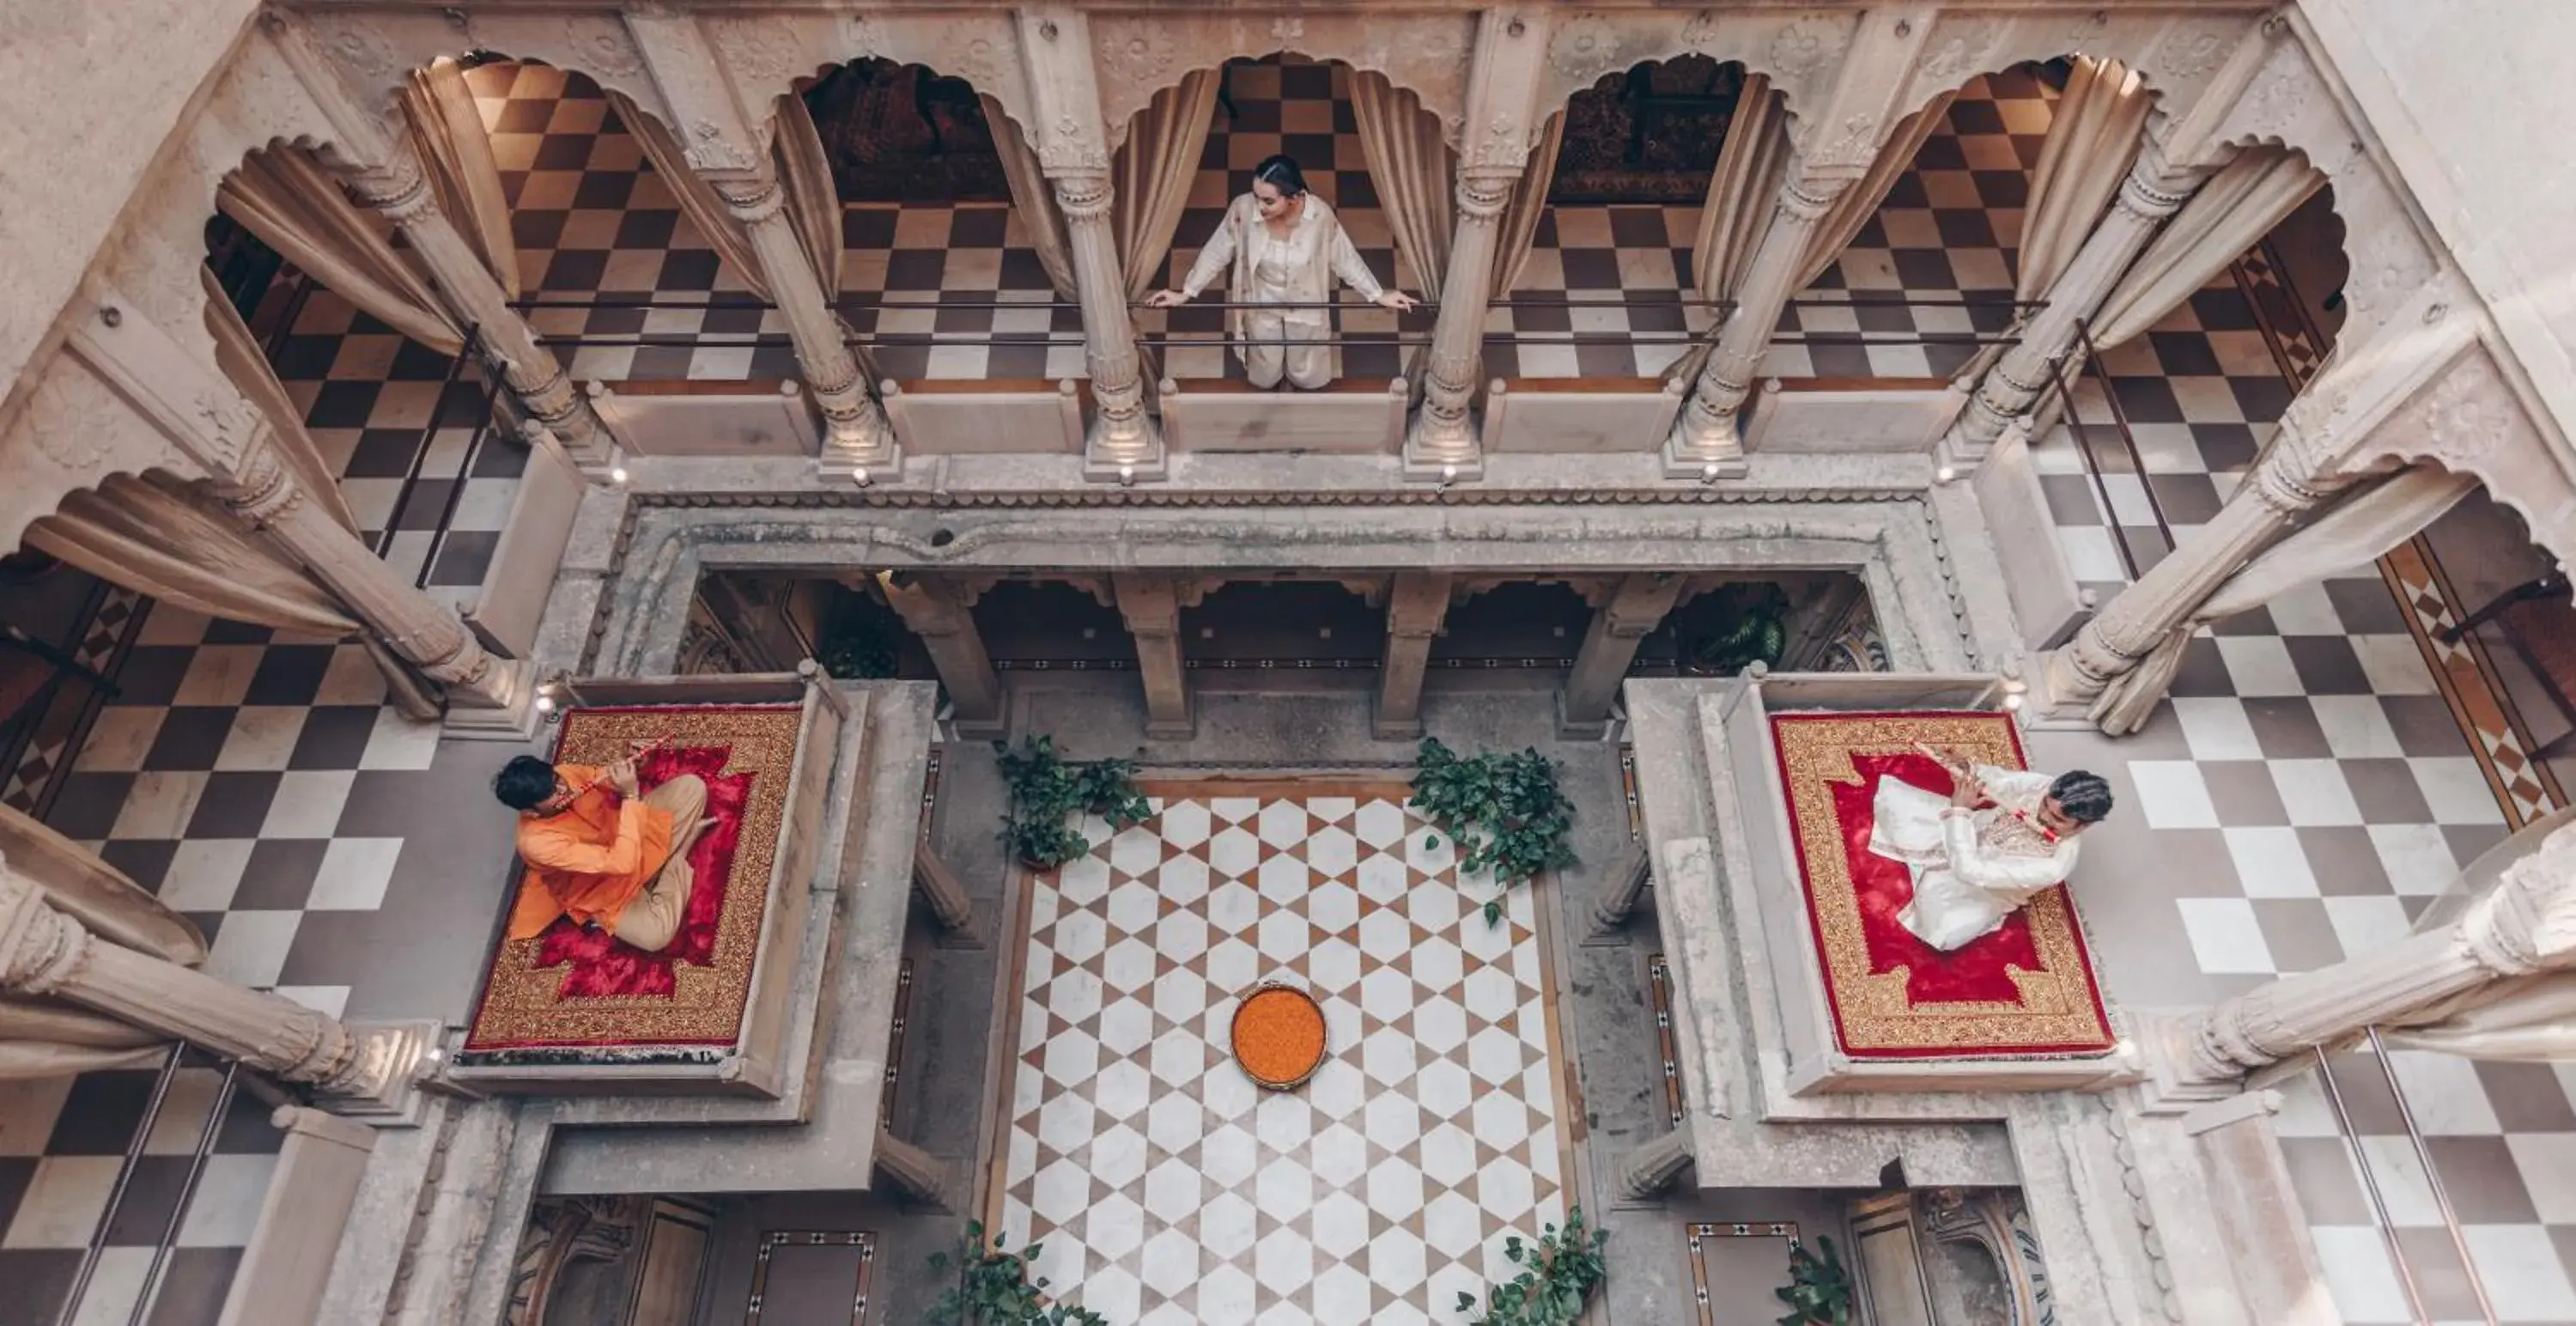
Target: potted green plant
column 995, row 1287
column 1047, row 791
column 1558, row 1275
column 1504, row 811
column 1752, row 628
column 1820, row 1290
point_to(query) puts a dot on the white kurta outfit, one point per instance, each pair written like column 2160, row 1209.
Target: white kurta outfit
column 1971, row 868
column 1271, row 270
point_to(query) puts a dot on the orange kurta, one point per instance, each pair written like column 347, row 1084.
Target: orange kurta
column 591, row 860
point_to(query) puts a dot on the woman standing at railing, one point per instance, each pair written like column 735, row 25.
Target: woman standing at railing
column 1284, row 245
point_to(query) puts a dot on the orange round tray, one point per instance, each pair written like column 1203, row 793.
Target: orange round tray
column 1278, row 1036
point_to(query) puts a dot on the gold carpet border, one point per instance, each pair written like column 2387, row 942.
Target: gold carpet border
column 521, row 1006
column 1876, row 1014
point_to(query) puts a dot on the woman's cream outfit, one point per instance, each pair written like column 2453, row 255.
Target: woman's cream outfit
column 1271, row 270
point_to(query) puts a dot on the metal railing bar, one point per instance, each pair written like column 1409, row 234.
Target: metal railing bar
column 124, row 1180
column 2076, row 433
column 2433, row 1179
column 2128, row 438
column 428, row 438
column 937, row 299
column 464, row 474
column 187, row 1193
column 2370, row 1188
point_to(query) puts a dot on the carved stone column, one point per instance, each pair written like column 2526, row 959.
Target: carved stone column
column 1645, row 1171
column 1416, row 604
column 1124, row 442
column 397, row 188
column 45, row 952
column 422, row 630
column 1443, row 434
column 1621, row 890
column 939, row 886
column 1834, row 144
column 1705, row 435
column 1152, row 606
column 915, row 1173
column 2527, row 924
column 856, row 430
column 2153, row 191
column 937, row 611
column 1072, row 143
column 1635, row 608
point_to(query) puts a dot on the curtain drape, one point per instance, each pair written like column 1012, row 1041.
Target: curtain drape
column 1412, row 169
column 1743, row 191
column 238, row 354
column 698, row 199
column 1519, row 227
column 98, row 895
column 2092, row 139
column 2237, row 207
column 813, row 200
column 294, row 207
column 1853, row 208
column 41, row 1039
column 172, row 539
column 1033, row 198
column 456, row 150
column 1152, row 172
column 2355, row 532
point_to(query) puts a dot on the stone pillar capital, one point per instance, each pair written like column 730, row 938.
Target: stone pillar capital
column 394, row 184
column 1083, row 195
column 40, row 948
column 1482, row 197
column 751, row 196
column 2155, row 188
column 263, row 490
column 2527, row 923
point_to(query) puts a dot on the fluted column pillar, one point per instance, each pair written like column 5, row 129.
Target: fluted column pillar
column 856, row 430
column 1645, row 1171
column 423, row 631
column 1443, row 433
column 1124, row 443
column 2526, row 925
column 400, row 190
column 1621, row 890
column 1416, row 603
column 2289, row 483
column 915, row 1173
column 1706, row 435
column 2153, row 191
column 1636, row 607
column 45, row 952
column 939, row 886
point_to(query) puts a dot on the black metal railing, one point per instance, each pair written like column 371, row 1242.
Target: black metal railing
column 2088, row 436
column 230, row 1082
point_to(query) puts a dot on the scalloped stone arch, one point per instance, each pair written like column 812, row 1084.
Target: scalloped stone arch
column 1139, row 55
column 1019, row 117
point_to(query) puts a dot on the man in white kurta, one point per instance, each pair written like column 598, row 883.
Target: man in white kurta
column 1980, row 853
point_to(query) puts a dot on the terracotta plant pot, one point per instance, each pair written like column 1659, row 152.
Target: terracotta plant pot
column 1277, row 1036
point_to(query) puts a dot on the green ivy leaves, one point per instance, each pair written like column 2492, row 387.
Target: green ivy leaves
column 1558, row 1276
column 1047, row 791
column 1820, row 1290
column 995, row 1288
column 1503, row 810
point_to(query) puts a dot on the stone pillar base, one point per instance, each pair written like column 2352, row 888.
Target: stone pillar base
column 384, row 1086
column 517, row 720
column 1571, row 729
column 1713, row 456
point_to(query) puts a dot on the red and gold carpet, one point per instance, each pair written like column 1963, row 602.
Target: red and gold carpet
column 2027, row 989
column 574, row 989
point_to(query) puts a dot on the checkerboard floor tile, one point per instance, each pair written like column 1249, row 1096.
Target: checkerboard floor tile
column 2306, row 794
column 1171, row 1189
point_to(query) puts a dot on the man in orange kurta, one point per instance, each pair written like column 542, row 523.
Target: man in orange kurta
column 598, row 852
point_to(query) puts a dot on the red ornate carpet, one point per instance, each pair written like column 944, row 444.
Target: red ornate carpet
column 575, row 989
column 2027, row 989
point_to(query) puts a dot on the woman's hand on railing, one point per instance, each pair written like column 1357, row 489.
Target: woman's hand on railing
column 1398, row 301
column 1166, row 299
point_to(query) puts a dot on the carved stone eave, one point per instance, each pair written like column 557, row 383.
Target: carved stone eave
column 2468, row 419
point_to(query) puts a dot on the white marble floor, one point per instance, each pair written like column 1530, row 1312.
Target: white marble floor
column 1151, row 1171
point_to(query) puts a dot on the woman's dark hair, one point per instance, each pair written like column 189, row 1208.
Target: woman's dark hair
column 2085, row 797
column 1282, row 172
column 524, row 783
